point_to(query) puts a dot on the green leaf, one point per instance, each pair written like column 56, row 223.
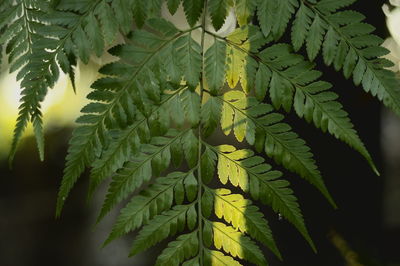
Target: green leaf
column 218, row 10
column 207, row 203
column 215, row 65
column 301, row 25
column 208, row 165
column 37, row 70
column 109, row 25
column 235, row 65
column 189, row 52
column 281, row 92
column 315, row 37
column 210, row 115
column 191, row 217
column 191, row 148
column 328, row 6
column 330, row 46
column 193, row 10
column 283, row 13
column 263, row 78
column 265, row 15
column 191, row 103
column 94, row 34
column 173, row 64
column 191, row 187
column 345, row 45
column 89, row 137
column 173, row 5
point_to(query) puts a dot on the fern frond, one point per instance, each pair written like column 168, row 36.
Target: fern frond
column 347, row 43
column 28, row 36
column 72, row 24
column 150, row 202
column 23, row 21
column 288, row 78
column 252, row 120
column 317, row 104
column 242, row 169
column 150, row 113
column 153, row 157
column 122, row 148
column 88, row 138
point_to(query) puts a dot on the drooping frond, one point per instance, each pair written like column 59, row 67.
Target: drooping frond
column 291, row 81
column 312, row 98
column 151, row 159
column 152, row 201
column 251, row 120
column 139, row 58
column 242, row 169
column 41, row 39
column 124, row 146
column 25, row 47
column 346, row 42
column 147, row 126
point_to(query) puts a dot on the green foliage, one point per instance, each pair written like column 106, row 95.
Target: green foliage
column 347, row 43
column 150, row 116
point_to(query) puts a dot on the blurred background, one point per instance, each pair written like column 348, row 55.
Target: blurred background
column 365, row 230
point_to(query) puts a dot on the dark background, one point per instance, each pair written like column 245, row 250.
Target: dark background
column 30, row 235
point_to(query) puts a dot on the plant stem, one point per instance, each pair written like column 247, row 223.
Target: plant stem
column 199, row 180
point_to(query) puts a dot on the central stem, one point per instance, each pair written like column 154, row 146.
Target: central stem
column 199, row 180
